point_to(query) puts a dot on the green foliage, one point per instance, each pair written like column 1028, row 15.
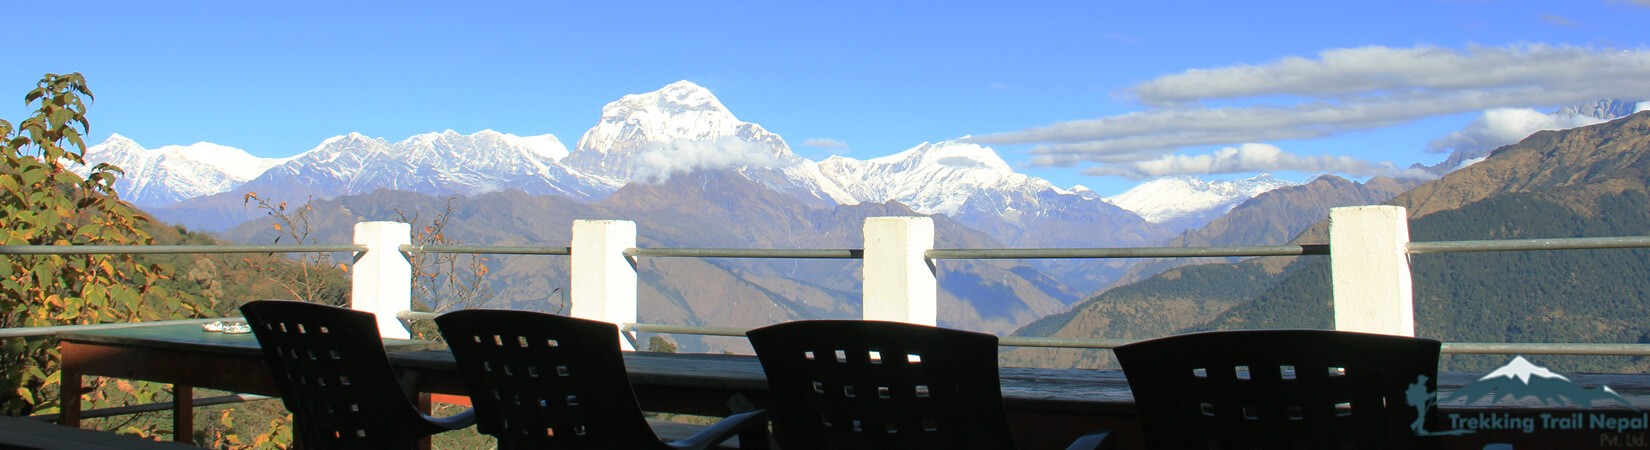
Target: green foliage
column 43, row 202
column 660, row 345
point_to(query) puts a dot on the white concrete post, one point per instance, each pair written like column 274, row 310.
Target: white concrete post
column 604, row 279
column 1370, row 267
column 381, row 279
column 900, row 285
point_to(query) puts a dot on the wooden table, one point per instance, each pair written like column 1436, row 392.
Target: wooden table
column 1054, row 405
column 180, row 354
column 1047, row 407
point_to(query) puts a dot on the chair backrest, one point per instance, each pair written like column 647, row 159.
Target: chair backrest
column 1283, row 389
column 850, row 384
column 545, row 381
column 333, row 374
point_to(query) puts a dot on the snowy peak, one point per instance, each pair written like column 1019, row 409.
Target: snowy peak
column 239, row 164
column 1505, row 126
column 1522, row 370
column 544, row 146
column 679, row 111
column 437, row 163
column 1607, row 109
column 932, row 177
column 683, row 128
column 948, row 155
column 172, row 173
column 684, row 94
column 117, row 144
column 1169, row 198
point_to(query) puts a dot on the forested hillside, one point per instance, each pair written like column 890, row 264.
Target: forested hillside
column 1585, row 182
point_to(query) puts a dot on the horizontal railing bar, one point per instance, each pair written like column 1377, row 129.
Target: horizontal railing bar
column 1026, row 253
column 155, row 407
column 1019, row 341
column 416, row 315
column 26, row 332
column 172, row 249
column 1136, row 252
column 823, row 253
column 1503, row 245
column 1458, row 348
column 1542, row 348
column 486, row 249
column 680, row 329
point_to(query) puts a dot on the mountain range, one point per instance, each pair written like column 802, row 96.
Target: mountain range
column 691, row 174
column 682, row 128
column 650, row 137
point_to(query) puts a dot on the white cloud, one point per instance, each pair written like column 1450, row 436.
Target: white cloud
column 1642, row 106
column 1557, row 20
column 1350, row 73
column 1248, row 158
column 657, row 162
column 824, row 143
column 1338, row 91
column 1502, row 126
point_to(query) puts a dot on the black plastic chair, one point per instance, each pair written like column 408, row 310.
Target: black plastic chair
column 543, row 381
column 1284, row 389
column 334, row 376
column 851, row 384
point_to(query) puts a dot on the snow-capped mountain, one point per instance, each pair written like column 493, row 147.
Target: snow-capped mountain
column 1182, row 197
column 680, row 128
column 1520, row 379
column 1507, row 126
column 934, row 178
column 1608, row 109
column 435, row 163
column 172, row 173
column 683, row 127
column 973, row 185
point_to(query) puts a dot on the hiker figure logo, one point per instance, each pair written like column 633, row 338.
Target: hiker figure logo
column 1423, row 400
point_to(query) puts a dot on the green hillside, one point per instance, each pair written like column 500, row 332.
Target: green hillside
column 1584, row 182
column 1550, row 296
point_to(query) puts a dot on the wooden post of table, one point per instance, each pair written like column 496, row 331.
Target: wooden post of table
column 183, row 413
column 422, row 401
column 69, row 389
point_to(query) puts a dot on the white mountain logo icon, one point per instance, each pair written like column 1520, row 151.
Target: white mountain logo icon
column 1520, row 379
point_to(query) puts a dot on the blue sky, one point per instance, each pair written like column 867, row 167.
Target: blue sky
column 1098, row 93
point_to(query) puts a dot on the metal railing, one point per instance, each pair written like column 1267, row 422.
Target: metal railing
column 933, row 254
column 172, row 249
column 630, row 329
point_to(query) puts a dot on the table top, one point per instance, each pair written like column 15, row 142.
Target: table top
column 191, row 337
column 1095, row 391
